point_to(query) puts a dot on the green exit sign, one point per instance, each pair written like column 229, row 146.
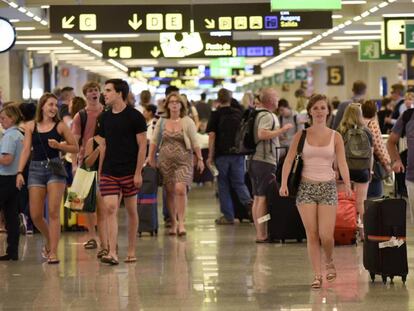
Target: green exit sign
column 229, row 62
column 283, row 5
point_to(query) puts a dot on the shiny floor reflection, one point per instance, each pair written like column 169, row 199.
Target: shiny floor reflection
column 212, row 268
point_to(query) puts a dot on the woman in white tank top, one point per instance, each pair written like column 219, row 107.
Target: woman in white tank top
column 317, row 195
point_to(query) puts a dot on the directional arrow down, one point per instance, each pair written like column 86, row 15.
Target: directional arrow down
column 113, row 52
column 67, row 23
column 155, row 52
column 135, row 23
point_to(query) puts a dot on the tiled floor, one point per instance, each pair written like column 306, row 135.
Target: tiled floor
column 213, row 268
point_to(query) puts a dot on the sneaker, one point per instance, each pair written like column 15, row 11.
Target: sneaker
column 29, row 228
column 223, row 221
column 23, row 224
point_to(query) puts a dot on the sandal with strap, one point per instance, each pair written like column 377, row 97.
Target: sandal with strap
column 317, row 282
column 101, row 253
column 330, row 272
column 130, row 259
column 45, row 252
column 91, row 244
column 109, row 260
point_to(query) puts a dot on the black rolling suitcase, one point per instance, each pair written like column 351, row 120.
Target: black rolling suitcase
column 385, row 219
column 147, row 202
column 285, row 222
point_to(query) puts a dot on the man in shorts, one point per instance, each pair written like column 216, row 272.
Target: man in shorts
column 262, row 164
column 123, row 130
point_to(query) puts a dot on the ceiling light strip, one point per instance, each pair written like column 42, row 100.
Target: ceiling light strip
column 324, row 34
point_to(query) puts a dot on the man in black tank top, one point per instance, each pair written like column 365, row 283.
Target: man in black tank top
column 123, row 130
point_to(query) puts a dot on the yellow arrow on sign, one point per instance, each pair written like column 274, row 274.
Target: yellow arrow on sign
column 155, row 52
column 113, row 52
column 210, row 23
column 67, row 23
column 135, row 23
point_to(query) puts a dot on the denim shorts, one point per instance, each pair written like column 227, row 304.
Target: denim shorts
column 40, row 175
column 319, row 193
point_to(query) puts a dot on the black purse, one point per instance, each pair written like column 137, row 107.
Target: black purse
column 56, row 167
column 295, row 174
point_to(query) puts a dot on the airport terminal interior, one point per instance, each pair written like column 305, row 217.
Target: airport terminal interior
column 295, row 48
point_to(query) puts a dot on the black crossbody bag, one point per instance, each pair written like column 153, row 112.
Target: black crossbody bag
column 295, row 175
column 55, row 167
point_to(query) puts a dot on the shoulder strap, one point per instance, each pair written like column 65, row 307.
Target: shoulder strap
column 295, row 120
column 41, row 144
column 301, row 142
column 159, row 138
column 83, row 118
column 280, row 120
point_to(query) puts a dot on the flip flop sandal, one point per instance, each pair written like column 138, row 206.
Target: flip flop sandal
column 130, row 259
column 45, row 252
column 53, row 261
column 101, row 253
column 109, row 260
column 91, row 244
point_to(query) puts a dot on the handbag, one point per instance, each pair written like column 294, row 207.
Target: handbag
column 295, row 174
column 82, row 193
column 379, row 171
column 55, row 167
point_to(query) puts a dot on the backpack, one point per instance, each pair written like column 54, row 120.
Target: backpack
column 357, row 149
column 245, row 140
column 228, row 120
column 83, row 118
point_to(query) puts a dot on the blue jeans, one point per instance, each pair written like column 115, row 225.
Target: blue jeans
column 231, row 174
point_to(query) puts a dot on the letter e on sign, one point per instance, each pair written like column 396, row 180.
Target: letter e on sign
column 335, row 75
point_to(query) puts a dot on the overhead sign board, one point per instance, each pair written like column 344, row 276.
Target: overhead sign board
column 192, row 45
column 301, row 74
column 257, row 16
column 336, row 75
column 7, row 35
column 119, row 18
column 370, row 50
column 167, row 72
column 399, row 34
column 305, row 5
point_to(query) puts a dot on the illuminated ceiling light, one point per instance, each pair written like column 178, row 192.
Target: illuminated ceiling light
column 37, row 19
column 383, row 4
column 14, row 20
column 337, row 16
column 13, row 5
column 34, row 37
column 25, row 28
column 353, row 2
column 193, row 62
column 336, row 47
column 374, row 9
column 30, row 14
column 361, row 32
column 372, row 23
column 285, row 44
column 220, row 33
column 22, row 9
column 339, row 43
column 40, row 48
column 348, row 22
column 287, row 39
column 97, row 41
column 111, row 36
column 391, row 1
column 398, row 15
column 365, row 14
column 44, row 23
column 357, row 18
column 45, row 6
column 25, row 42
column 118, row 64
column 285, row 33
column 368, row 37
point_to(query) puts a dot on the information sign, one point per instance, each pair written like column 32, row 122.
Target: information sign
column 305, row 5
column 192, row 45
column 335, row 75
column 7, row 35
column 399, row 34
column 370, row 50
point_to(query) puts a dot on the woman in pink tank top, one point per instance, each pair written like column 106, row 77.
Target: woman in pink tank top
column 317, row 195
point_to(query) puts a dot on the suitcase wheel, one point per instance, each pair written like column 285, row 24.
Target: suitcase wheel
column 372, row 275
column 384, row 279
column 404, row 278
column 391, row 280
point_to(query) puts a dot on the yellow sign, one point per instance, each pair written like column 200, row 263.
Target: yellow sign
column 67, row 22
column 210, row 23
column 395, row 34
column 256, row 22
column 174, row 21
column 125, row 52
column 155, row 52
column 113, row 52
column 240, row 23
column 87, row 22
column 155, row 21
column 225, row 23
column 135, row 23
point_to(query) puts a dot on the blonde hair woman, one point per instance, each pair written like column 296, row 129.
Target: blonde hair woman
column 175, row 137
column 353, row 119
